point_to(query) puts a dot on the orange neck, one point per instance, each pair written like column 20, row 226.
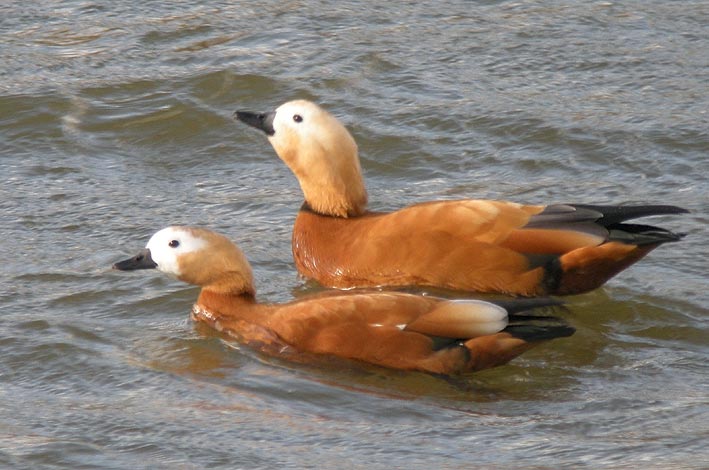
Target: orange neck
column 238, row 316
column 242, row 307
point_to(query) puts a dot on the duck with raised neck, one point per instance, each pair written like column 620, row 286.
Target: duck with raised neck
column 472, row 245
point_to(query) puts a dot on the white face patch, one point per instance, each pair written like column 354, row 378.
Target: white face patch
column 290, row 117
column 167, row 245
column 293, row 113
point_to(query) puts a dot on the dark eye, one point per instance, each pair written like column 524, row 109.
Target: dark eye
column 174, row 244
column 297, row 118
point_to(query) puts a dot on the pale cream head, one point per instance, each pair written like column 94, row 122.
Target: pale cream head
column 202, row 257
column 323, row 156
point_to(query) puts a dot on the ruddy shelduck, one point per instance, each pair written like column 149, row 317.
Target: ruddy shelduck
column 472, row 245
column 391, row 329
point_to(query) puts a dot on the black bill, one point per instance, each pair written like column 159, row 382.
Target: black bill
column 140, row 261
column 263, row 121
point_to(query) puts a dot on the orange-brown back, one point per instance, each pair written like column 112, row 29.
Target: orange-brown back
column 483, row 246
column 374, row 327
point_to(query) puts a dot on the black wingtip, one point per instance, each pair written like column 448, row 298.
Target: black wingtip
column 533, row 328
column 642, row 234
column 611, row 215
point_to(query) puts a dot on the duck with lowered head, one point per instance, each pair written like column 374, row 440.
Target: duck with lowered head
column 472, row 245
column 391, row 329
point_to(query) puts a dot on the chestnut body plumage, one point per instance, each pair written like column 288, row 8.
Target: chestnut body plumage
column 390, row 329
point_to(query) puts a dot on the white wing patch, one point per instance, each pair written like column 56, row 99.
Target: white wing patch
column 401, row 326
column 461, row 319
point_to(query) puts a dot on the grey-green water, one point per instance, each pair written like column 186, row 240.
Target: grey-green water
column 115, row 121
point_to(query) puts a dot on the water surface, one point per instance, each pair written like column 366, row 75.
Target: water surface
column 116, row 121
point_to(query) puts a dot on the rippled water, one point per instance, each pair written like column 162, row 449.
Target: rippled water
column 116, row 121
